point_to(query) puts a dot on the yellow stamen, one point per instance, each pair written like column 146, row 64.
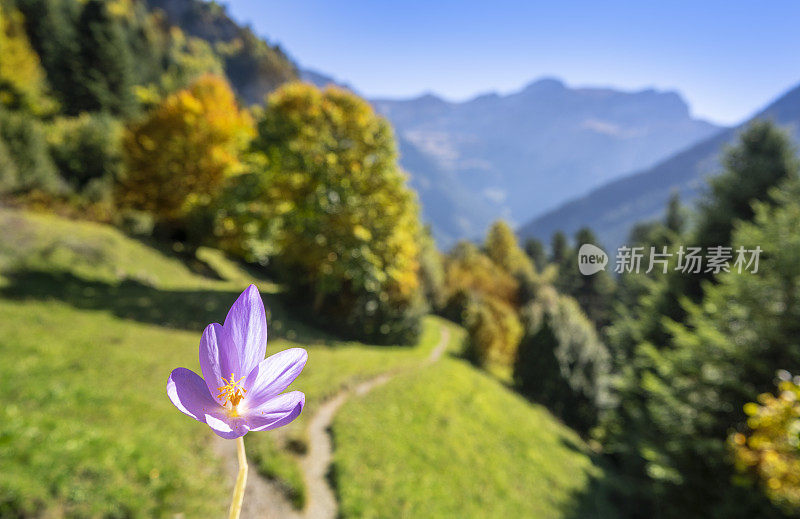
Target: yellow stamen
column 232, row 391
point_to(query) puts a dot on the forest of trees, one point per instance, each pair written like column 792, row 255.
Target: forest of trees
column 684, row 382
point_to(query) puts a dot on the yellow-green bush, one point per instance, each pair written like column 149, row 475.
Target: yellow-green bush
column 770, row 449
column 494, row 332
column 346, row 223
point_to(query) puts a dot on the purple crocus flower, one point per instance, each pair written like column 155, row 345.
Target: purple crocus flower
column 240, row 391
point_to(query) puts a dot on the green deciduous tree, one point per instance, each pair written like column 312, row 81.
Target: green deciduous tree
column 86, row 148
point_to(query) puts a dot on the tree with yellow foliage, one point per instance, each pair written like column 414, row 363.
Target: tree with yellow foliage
column 770, row 450
column 347, row 223
column 483, row 296
column 502, row 247
column 178, row 157
column 467, row 269
column 22, row 79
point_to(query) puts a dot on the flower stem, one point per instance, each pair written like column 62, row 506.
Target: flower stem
column 241, row 478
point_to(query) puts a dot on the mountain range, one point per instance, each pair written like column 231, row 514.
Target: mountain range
column 612, row 209
column 515, row 156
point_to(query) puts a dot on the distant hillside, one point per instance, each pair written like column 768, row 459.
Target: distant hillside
column 516, row 155
column 253, row 66
column 321, row 79
column 612, row 209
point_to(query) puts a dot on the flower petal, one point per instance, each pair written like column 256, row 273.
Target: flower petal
column 225, row 426
column 246, row 327
column 273, row 375
column 218, row 358
column 188, row 392
column 276, row 412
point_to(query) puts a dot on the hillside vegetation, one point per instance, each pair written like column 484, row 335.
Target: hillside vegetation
column 253, row 66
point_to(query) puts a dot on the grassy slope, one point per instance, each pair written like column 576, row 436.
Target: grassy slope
column 330, row 368
column 451, row 441
column 91, row 323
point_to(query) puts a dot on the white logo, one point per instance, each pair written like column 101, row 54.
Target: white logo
column 591, row 259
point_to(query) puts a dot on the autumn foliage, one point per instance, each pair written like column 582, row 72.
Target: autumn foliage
column 22, row 79
column 484, row 296
column 770, row 450
column 178, row 157
column 347, row 224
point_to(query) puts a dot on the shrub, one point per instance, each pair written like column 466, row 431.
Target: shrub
column 86, row 148
column 26, row 145
column 770, row 449
column 494, row 332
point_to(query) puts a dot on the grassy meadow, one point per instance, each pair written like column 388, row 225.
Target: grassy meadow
column 93, row 321
column 451, row 441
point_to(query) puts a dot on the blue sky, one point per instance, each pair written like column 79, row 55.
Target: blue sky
column 728, row 59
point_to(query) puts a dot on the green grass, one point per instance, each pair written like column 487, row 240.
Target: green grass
column 91, row 324
column 331, row 367
column 451, row 441
column 30, row 241
column 85, row 427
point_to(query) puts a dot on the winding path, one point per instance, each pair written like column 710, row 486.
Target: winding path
column 265, row 500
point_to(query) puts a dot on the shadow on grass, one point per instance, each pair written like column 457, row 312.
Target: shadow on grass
column 137, row 301
column 175, row 250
